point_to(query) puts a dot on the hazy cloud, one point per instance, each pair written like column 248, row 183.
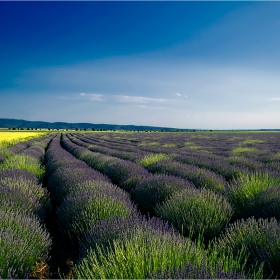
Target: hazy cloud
column 178, row 94
column 92, row 96
column 138, row 99
column 141, row 106
column 274, row 99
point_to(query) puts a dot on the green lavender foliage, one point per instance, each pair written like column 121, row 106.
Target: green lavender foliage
column 197, row 212
column 147, row 160
column 243, row 191
column 23, row 241
column 126, row 249
column 24, row 162
column 27, row 187
column 154, row 190
column 78, row 213
column 260, row 240
column 137, row 256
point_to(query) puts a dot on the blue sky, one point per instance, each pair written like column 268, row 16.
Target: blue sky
column 212, row 65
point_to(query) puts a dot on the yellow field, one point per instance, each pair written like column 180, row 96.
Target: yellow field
column 11, row 138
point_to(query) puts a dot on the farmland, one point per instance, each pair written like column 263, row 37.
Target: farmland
column 8, row 138
column 141, row 205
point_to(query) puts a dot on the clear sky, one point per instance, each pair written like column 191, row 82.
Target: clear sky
column 212, row 65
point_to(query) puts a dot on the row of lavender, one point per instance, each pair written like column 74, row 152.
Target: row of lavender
column 251, row 193
column 24, row 240
column 250, row 151
column 150, row 192
column 162, row 164
column 115, row 241
column 146, row 155
column 191, row 210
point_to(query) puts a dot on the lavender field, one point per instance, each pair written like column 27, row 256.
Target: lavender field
column 141, row 205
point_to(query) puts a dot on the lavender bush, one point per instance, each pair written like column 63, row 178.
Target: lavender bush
column 131, row 181
column 77, row 213
column 242, row 191
column 266, row 204
column 119, row 170
column 155, row 190
column 37, row 152
column 26, row 184
column 138, row 255
column 65, row 179
column 2, row 158
column 259, row 238
column 105, row 231
column 23, row 241
column 24, row 162
column 202, row 178
column 191, row 271
column 196, row 212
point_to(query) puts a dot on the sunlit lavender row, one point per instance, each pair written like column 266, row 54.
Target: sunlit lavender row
column 231, row 184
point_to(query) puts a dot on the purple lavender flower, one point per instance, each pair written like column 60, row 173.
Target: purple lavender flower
column 154, row 190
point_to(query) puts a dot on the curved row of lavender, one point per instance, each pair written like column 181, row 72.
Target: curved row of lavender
column 103, row 219
column 128, row 176
column 200, row 158
column 208, row 215
column 82, row 194
column 251, row 194
column 258, row 149
column 201, row 177
column 244, row 203
column 24, row 239
column 252, row 169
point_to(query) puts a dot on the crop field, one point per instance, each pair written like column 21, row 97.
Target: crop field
column 11, row 138
column 110, row 205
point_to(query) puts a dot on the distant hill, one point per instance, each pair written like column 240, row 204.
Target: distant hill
column 13, row 123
